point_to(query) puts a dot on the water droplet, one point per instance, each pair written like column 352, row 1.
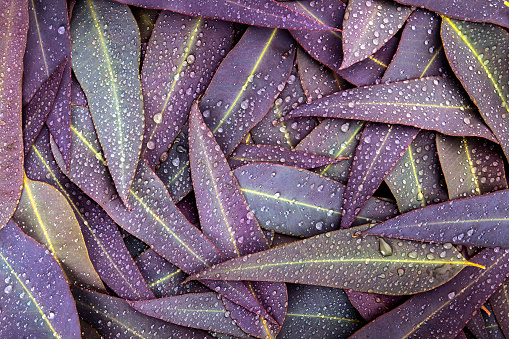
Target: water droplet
column 385, row 248
column 61, row 30
column 190, row 59
column 158, row 118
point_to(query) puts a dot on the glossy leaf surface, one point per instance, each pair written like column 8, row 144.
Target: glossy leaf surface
column 177, row 68
column 482, row 222
column 44, row 214
column 13, row 32
column 34, row 286
column 105, row 61
column 455, row 302
column 478, row 54
column 361, row 263
column 428, row 103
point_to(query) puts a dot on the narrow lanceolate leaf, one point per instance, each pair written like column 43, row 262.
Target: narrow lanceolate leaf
column 266, row 13
column 328, row 50
column 417, row 180
column 115, row 318
column 372, row 305
column 35, row 113
column 13, row 31
column 106, row 56
column 335, row 138
column 500, row 303
column 286, row 134
column 163, row 278
column 197, row 310
column 33, row 285
column 444, row 311
column 368, row 25
column 376, row 210
column 494, row 11
column 319, row 312
column 182, row 55
column 471, row 166
column 337, row 259
column 291, row 201
column 477, row 327
column 249, row 153
column 420, row 52
column 380, row 147
column 478, row 54
column 105, row 246
column 245, row 85
column 429, row 103
column 225, row 216
column 44, row 214
column 48, row 45
column 153, row 217
column 483, row 221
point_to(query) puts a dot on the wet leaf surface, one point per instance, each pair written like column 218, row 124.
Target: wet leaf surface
column 360, row 263
column 33, row 285
column 105, row 61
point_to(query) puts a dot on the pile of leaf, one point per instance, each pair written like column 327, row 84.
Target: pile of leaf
column 240, row 169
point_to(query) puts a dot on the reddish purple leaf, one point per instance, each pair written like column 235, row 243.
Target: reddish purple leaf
column 13, row 31
column 429, row 103
column 48, row 45
column 36, row 301
column 115, row 318
column 444, row 311
column 268, row 13
column 197, row 310
column 250, row 153
column 368, row 25
column 337, row 259
column 372, row 305
column 103, row 240
column 483, row 221
column 36, row 111
column 478, row 55
column 246, row 83
column 324, row 46
column 380, row 147
column 177, row 68
column 493, row 11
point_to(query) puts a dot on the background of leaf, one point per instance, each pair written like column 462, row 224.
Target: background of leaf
column 239, row 169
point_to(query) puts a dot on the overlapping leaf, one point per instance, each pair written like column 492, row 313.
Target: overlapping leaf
column 428, row 103
column 443, row 312
column 13, row 31
column 266, row 13
column 181, row 58
column 478, row 54
column 337, row 259
column 35, row 299
column 105, row 57
column 483, row 221
column 501, row 307
column 44, row 214
column 372, row 305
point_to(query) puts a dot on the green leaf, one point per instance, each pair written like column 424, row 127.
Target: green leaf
column 105, row 58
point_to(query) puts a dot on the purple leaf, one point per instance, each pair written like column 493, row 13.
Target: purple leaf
column 36, row 111
column 476, row 326
column 380, row 147
column 493, row 11
column 115, row 318
column 103, row 32
column 177, row 68
column 482, row 222
column 368, row 25
column 197, row 310
column 372, row 305
column 478, row 56
column 428, row 103
column 250, row 153
column 36, row 301
column 48, row 45
column 336, row 259
column 246, row 83
column 444, row 311
column 13, row 31
column 268, row 13
column 146, row 19
column 376, row 210
column 500, row 304
column 102, row 238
